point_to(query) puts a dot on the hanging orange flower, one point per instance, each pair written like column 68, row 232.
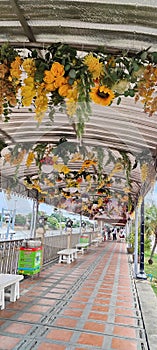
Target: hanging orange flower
column 15, row 70
column 87, row 163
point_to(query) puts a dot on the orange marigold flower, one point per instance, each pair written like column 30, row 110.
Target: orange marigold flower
column 59, row 81
column 15, row 70
column 57, row 69
column 49, row 77
column 63, row 90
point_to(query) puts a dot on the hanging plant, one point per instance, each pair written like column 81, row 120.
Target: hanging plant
column 65, row 80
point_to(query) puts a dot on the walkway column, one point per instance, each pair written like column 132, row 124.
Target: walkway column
column 136, row 244
column 34, row 218
column 142, row 274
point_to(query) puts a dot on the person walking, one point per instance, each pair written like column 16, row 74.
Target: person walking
column 114, row 234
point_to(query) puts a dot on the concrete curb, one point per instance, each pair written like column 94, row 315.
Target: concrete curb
column 148, row 304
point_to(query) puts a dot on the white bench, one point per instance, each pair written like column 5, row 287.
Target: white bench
column 82, row 247
column 67, row 255
column 97, row 241
column 12, row 281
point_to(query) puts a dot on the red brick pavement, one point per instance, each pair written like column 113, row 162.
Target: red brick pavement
column 89, row 304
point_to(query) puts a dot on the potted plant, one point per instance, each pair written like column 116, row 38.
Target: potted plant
column 130, row 243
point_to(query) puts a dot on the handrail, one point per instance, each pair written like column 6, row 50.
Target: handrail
column 9, row 249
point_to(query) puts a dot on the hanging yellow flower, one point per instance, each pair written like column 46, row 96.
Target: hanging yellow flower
column 87, row 163
column 19, row 158
column 28, row 91
column 144, row 172
column 61, row 168
column 100, row 202
column 48, row 182
column 30, row 159
column 124, row 198
column 88, row 178
column 102, row 95
column 140, row 200
column 94, row 66
column 76, row 157
column 118, row 167
column 41, row 103
column 29, row 66
column 126, row 189
column 36, row 186
column 15, row 70
column 72, row 97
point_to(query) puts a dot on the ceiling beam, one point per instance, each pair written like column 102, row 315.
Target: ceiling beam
column 21, row 18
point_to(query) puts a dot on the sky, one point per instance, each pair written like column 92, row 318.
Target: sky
column 151, row 197
column 24, row 206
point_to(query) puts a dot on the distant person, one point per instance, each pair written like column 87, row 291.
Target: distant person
column 114, row 234
column 122, row 234
column 69, row 223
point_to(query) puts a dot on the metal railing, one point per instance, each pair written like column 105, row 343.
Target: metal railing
column 9, row 250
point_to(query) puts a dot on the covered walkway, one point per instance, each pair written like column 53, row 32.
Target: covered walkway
column 90, row 304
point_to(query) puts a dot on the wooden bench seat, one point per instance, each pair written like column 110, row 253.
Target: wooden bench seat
column 67, row 255
column 12, row 281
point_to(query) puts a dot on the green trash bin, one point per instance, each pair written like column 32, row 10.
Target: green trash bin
column 30, row 260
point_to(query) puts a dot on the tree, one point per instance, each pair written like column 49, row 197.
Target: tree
column 20, row 220
column 151, row 227
column 53, row 222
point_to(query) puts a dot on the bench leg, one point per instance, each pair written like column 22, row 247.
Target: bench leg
column 17, row 290
column 13, row 292
column 60, row 258
column 69, row 259
column 2, row 300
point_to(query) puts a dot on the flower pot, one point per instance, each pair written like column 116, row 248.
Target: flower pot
column 130, row 250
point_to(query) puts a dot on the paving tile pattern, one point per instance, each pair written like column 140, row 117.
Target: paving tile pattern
column 89, row 304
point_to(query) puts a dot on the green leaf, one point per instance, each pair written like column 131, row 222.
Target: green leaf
column 154, row 57
column 72, row 73
column 131, row 93
column 119, row 101
column 71, row 81
column 135, row 66
column 67, row 67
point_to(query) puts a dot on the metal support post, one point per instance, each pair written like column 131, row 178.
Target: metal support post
column 136, row 244
column 34, row 218
column 141, row 274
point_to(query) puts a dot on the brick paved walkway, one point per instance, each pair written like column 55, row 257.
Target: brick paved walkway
column 89, row 304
